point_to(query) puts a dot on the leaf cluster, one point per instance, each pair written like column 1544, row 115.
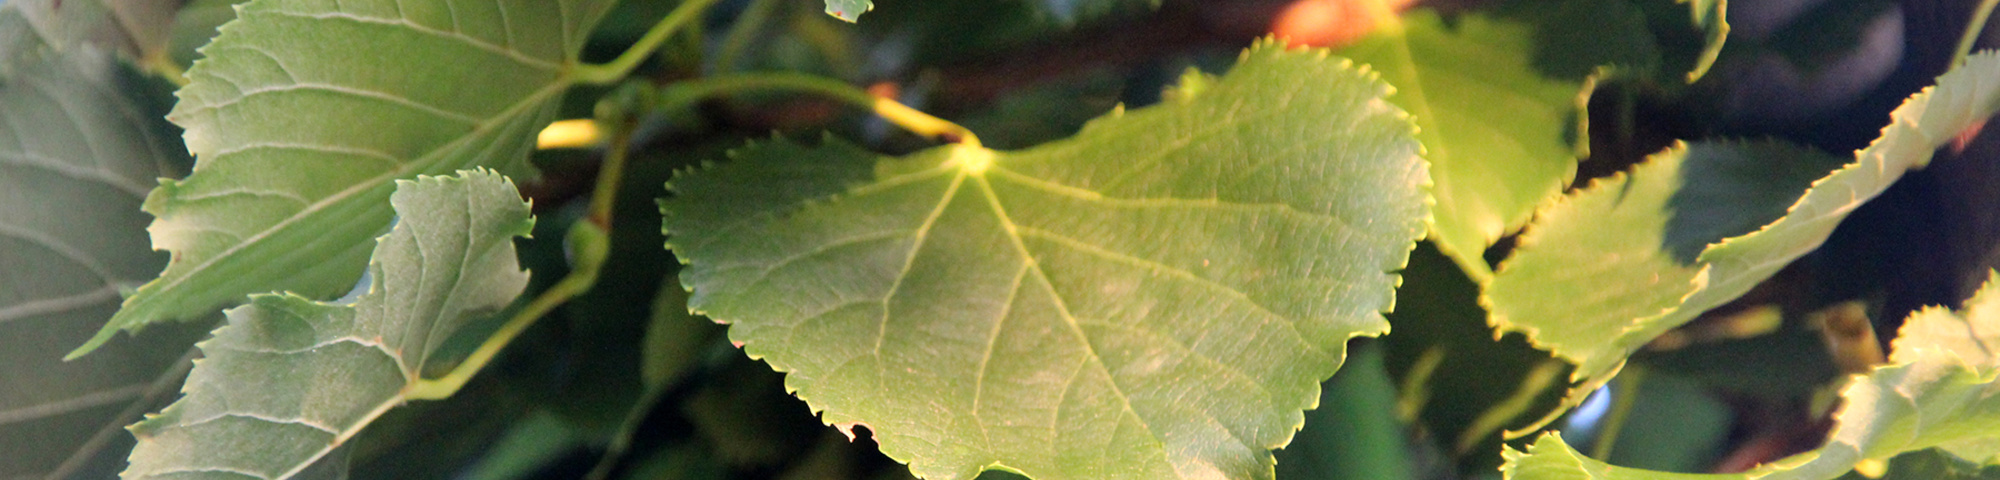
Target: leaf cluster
column 1054, row 239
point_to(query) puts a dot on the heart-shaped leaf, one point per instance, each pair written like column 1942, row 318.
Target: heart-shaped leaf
column 1156, row 297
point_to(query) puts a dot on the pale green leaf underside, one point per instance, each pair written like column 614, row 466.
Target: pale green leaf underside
column 1939, row 391
column 304, row 112
column 1157, row 297
column 289, row 379
column 78, row 149
column 1496, row 115
column 1633, row 290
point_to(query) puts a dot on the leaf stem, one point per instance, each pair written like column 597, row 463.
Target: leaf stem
column 589, row 243
column 1494, row 418
column 1972, row 30
column 607, row 73
column 911, row 119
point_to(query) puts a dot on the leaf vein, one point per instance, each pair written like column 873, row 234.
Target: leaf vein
column 456, row 35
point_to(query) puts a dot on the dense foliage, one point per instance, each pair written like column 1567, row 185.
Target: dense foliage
column 1060, row 239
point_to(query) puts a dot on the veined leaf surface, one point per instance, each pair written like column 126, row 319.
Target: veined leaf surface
column 289, row 379
column 1638, row 289
column 1497, row 99
column 1591, row 278
column 81, row 139
column 303, row 114
column 1156, row 297
column 1937, row 392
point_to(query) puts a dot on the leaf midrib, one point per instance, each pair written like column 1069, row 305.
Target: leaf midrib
column 1015, row 233
column 1062, row 306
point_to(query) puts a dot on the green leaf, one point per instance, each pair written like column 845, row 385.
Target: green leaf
column 1599, row 276
column 1711, row 17
column 1156, row 297
column 303, row 113
column 1937, row 392
column 1497, row 98
column 1069, row 12
column 81, row 139
column 289, row 379
column 849, row 10
column 1593, row 278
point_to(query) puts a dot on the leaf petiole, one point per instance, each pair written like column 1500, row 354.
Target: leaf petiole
column 611, row 72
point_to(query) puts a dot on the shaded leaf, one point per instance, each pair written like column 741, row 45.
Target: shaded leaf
column 1157, row 297
column 1458, row 382
column 1636, row 289
column 675, row 340
column 1497, row 99
column 1937, row 392
column 297, row 143
column 289, row 379
column 81, row 139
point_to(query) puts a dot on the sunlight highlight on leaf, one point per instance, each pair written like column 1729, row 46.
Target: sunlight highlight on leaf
column 1156, row 297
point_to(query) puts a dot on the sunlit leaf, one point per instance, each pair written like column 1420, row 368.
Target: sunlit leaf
column 1601, row 273
column 1156, row 297
column 303, row 114
column 1937, row 392
column 1592, row 290
column 288, row 379
column 1497, row 100
column 138, row 28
